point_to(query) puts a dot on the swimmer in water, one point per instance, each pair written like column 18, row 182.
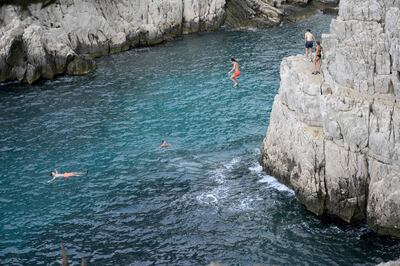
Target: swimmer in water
column 165, row 144
column 66, row 175
column 236, row 72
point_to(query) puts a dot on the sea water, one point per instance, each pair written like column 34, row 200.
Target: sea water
column 205, row 199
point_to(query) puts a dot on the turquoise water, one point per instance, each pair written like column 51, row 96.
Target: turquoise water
column 204, row 200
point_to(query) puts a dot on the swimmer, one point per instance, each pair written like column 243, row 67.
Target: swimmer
column 236, row 72
column 65, row 175
column 165, row 144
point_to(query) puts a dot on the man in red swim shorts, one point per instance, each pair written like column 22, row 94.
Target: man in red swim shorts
column 236, row 72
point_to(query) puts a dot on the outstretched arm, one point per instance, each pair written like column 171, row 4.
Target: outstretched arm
column 233, row 68
column 54, row 178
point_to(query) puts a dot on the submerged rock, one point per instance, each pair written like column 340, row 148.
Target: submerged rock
column 335, row 139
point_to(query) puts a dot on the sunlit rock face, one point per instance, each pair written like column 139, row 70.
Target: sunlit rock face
column 41, row 41
column 336, row 139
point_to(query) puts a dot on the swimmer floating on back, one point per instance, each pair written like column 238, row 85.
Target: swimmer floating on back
column 165, row 144
column 66, row 175
column 236, row 72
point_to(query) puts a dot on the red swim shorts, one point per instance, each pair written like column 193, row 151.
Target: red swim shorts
column 236, row 74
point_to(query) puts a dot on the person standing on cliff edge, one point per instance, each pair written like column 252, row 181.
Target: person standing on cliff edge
column 309, row 40
column 317, row 60
column 236, row 72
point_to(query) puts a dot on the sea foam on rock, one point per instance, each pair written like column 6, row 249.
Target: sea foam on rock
column 336, row 139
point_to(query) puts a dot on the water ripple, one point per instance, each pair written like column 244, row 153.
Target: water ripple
column 205, row 199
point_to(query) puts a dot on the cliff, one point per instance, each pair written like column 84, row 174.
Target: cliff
column 335, row 139
column 266, row 13
column 43, row 40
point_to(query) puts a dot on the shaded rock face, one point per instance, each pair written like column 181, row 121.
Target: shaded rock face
column 336, row 139
column 42, row 41
column 252, row 13
column 266, row 13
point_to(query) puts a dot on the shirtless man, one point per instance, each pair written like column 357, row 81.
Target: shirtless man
column 66, row 175
column 309, row 40
column 236, row 72
column 165, row 144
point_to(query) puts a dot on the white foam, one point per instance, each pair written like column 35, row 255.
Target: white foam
column 219, row 175
column 272, row 182
column 212, row 197
column 245, row 204
column 269, row 180
column 257, row 169
column 232, row 163
column 207, row 199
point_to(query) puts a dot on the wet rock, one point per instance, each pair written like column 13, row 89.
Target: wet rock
column 81, row 65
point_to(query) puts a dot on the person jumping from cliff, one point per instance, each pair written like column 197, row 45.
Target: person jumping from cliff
column 236, row 72
column 309, row 41
column 317, row 60
column 65, row 175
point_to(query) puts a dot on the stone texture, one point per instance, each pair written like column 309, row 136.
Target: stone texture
column 350, row 167
column 253, row 13
column 266, row 13
column 44, row 41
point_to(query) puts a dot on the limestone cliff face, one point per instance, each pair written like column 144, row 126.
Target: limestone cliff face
column 266, row 13
column 43, row 41
column 336, row 139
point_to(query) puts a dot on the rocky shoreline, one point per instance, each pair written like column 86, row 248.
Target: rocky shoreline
column 335, row 138
column 43, row 39
column 40, row 41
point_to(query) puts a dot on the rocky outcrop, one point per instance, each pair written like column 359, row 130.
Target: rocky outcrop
column 336, row 139
column 266, row 13
column 253, row 13
column 44, row 40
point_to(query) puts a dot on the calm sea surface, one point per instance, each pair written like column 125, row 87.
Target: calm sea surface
column 204, row 200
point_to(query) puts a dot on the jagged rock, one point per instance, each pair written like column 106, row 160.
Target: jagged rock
column 266, row 13
column 81, row 65
column 339, row 146
column 253, row 13
column 40, row 40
